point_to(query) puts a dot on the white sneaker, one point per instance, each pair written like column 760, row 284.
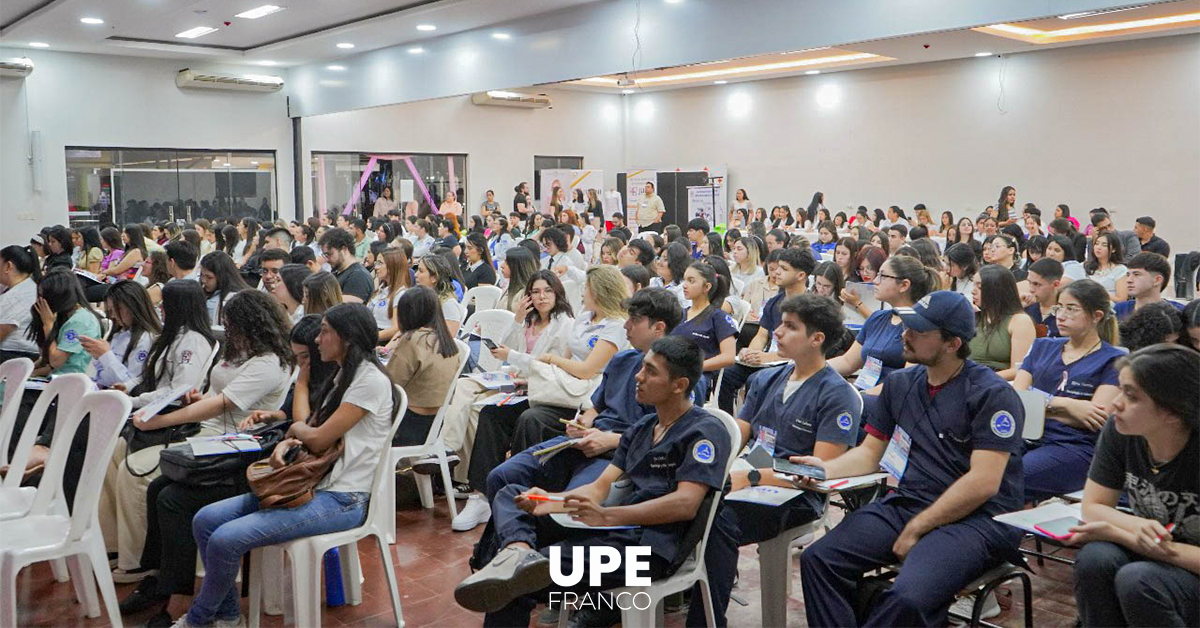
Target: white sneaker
column 238, row 622
column 964, row 605
column 473, row 513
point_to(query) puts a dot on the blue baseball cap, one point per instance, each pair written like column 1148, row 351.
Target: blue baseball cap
column 944, row 309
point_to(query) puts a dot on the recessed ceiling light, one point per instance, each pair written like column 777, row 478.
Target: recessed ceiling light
column 263, row 11
column 254, row 163
column 193, row 33
column 673, row 1
column 720, row 82
column 345, row 45
column 335, row 68
column 502, row 36
column 983, row 54
column 426, row 27
column 811, row 72
column 38, row 44
column 737, row 71
column 91, row 20
column 268, row 63
column 627, row 91
column 415, row 50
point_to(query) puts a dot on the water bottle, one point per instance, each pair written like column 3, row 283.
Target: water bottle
column 335, row 595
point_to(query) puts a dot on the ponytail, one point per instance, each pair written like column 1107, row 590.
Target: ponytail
column 921, row 279
column 1107, row 328
column 24, row 259
column 1093, row 297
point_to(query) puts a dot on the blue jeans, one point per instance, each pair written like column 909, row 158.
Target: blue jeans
column 228, row 529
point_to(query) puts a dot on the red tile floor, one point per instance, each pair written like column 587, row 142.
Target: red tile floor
column 431, row 559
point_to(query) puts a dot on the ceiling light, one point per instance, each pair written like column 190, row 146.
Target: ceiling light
column 829, row 96
column 415, row 50
column 811, row 72
column 1040, row 36
column 426, row 27
column 673, row 1
column 501, row 36
column 254, row 163
column 1075, row 16
column 268, row 63
column 193, row 33
column 335, row 68
column 627, row 91
column 345, row 45
column 738, row 104
column 263, row 11
column 91, row 20
column 983, row 54
column 720, row 82
column 765, row 67
column 38, row 44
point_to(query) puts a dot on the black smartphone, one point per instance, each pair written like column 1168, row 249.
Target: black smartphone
column 289, row 456
column 490, row 345
column 800, row 470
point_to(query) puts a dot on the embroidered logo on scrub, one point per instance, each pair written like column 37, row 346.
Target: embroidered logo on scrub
column 592, row 342
column 844, row 421
column 1003, row 424
column 704, row 452
column 186, row 357
column 141, row 355
column 70, row 336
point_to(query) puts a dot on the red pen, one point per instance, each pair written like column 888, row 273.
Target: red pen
column 1170, row 528
column 842, row 483
column 543, row 498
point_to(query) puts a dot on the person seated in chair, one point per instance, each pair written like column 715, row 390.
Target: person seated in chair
column 673, row 458
column 949, row 430
column 800, row 409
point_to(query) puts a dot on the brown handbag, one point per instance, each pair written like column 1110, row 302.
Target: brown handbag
column 294, row 484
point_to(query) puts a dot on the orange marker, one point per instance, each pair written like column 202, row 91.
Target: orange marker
column 543, row 498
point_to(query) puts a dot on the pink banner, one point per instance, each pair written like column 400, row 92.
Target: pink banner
column 362, row 181
column 421, row 184
column 454, row 180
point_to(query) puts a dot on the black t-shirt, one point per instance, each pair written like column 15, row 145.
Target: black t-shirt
column 1157, row 245
column 355, row 281
column 519, row 199
column 1170, row 496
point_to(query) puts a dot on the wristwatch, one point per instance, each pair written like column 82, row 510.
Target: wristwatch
column 754, row 477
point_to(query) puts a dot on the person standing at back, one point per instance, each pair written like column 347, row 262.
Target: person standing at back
column 650, row 210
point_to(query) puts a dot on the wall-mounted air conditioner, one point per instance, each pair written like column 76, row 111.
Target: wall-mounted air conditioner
column 247, row 83
column 16, row 68
column 512, row 99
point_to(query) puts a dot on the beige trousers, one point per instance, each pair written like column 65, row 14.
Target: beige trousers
column 461, row 420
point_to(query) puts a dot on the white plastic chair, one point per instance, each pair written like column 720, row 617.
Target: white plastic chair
column 692, row 571
column 47, row 535
column 741, row 309
column 13, row 374
column 737, row 287
column 484, row 296
column 493, row 325
column 1035, row 414
column 433, row 445
column 774, row 560
column 307, row 553
column 574, row 295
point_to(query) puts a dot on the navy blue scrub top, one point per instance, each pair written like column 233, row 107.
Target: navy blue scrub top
column 708, row 330
column 975, row 410
column 694, row 449
column 615, row 399
column 825, row 408
column 771, row 316
column 1078, row 380
column 1124, row 309
column 882, row 340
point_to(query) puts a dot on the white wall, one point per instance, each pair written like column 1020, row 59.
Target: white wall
column 500, row 142
column 129, row 102
column 1110, row 125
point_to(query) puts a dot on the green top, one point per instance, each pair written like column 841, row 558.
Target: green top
column 993, row 350
column 81, row 323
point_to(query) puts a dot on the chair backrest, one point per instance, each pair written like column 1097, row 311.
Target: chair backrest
column 735, row 441
column 574, row 293
column 68, row 389
column 737, row 286
column 212, row 357
column 493, row 325
column 107, row 410
column 384, row 472
column 645, row 235
column 485, row 297
column 13, row 375
column 464, row 353
column 1035, row 413
column 741, row 308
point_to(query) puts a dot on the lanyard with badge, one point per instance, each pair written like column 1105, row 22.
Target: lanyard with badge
column 870, row 374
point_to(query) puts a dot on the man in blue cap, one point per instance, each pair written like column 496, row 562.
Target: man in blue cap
column 949, row 431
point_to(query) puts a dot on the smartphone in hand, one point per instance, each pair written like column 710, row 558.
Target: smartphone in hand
column 800, row 470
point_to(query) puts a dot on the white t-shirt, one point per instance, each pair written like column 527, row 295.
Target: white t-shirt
column 15, row 309
column 1109, row 278
column 587, row 332
column 1074, row 271
column 109, row 369
column 379, row 306
column 370, row 390
column 214, row 303
column 260, row 383
column 452, row 311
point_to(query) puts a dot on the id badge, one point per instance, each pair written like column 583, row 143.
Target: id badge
column 895, row 457
column 766, row 440
column 869, row 375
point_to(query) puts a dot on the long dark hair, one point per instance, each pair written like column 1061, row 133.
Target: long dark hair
column 62, row 292
column 229, row 239
column 305, row 332
column 137, row 239
column 1065, row 244
column 561, row 304
column 132, row 296
column 255, row 324
column 112, row 238
column 677, row 260
column 998, row 297
column 718, row 286
column 963, row 256
column 1094, row 298
column 833, row 273
column 480, row 244
column 158, row 268
column 229, row 279
column 355, row 325
column 1002, row 204
column 293, row 276
column 443, row 272
column 23, row 259
column 91, row 240
column 420, row 307
column 1169, row 374
column 184, row 310
column 1116, row 253
column 521, row 266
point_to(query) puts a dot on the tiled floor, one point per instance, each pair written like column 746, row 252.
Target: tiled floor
column 431, row 559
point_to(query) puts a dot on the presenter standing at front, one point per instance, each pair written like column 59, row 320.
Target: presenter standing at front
column 650, row 211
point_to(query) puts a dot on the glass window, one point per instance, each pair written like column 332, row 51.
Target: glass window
column 414, row 183
column 551, row 162
column 127, row 185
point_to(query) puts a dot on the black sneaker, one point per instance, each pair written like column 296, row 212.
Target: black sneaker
column 161, row 620
column 512, row 573
column 595, row 618
column 145, row 596
column 428, row 465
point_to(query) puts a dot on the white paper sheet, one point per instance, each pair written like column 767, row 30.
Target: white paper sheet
column 765, row 495
column 866, row 292
column 496, row 399
column 156, row 406
column 1027, row 519
column 563, row 519
column 492, row 380
column 223, row 444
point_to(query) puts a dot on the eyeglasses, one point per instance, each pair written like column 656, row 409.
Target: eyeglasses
column 892, row 277
column 1070, row 308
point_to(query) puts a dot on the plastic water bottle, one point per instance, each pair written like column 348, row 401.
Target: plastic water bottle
column 335, row 595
